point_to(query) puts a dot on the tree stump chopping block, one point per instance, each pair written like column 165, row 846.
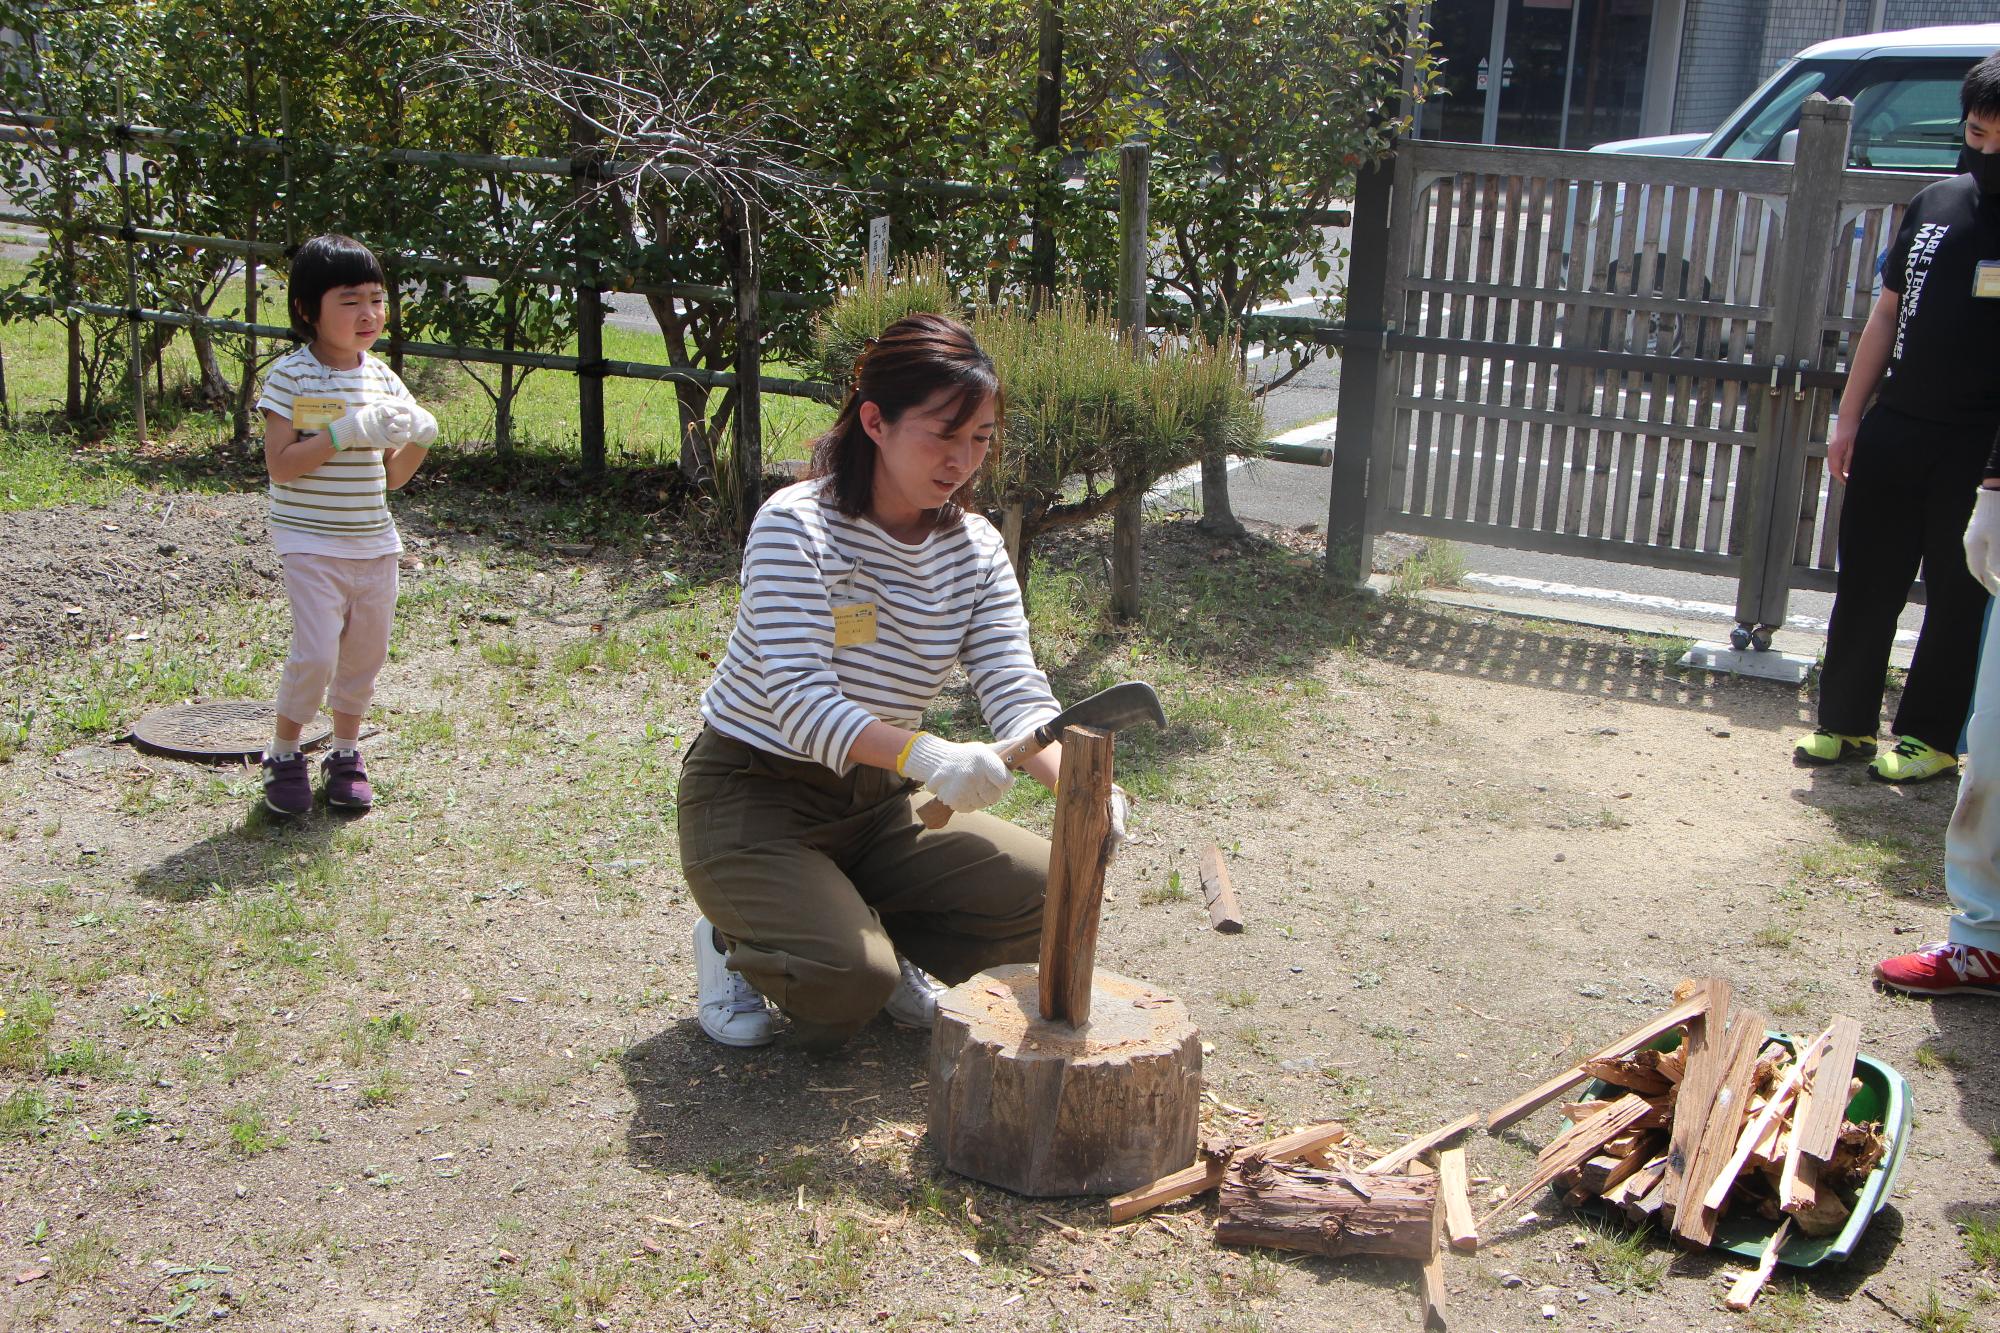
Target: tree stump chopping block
column 1040, row 1108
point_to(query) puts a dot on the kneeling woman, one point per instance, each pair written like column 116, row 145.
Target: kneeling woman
column 863, row 587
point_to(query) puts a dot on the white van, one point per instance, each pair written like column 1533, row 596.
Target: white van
column 1904, row 87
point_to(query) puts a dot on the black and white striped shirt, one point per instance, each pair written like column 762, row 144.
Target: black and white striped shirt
column 786, row 685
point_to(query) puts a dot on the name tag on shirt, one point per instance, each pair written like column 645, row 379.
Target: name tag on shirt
column 1986, row 279
column 311, row 414
column 853, row 622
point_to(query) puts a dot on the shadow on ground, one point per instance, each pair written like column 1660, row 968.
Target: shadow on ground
column 254, row 850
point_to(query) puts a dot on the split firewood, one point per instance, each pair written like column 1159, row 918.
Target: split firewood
column 1643, row 1179
column 1452, row 1185
column 1203, row 1176
column 1224, row 913
column 1820, row 1120
column 1422, row 1144
column 1635, row 1073
column 1752, row 1134
column 1694, row 1219
column 1434, row 1316
column 1535, row 1098
column 1705, row 1059
column 1573, row 1147
column 1745, row 1289
column 1287, row 1205
column 1825, row 1217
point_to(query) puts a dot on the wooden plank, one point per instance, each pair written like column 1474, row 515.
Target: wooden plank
column 1537, row 1097
column 1599, row 421
column 1299, row 1142
column 1574, row 1147
column 1224, row 912
column 1203, row 1176
column 1698, row 1084
column 1743, row 1292
column 1728, row 174
column 1821, row 1114
column 1390, row 1163
column 1454, row 1187
column 1693, row 1220
column 1434, row 1315
column 1077, row 858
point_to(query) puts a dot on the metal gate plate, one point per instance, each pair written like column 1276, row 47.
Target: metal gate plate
column 236, row 729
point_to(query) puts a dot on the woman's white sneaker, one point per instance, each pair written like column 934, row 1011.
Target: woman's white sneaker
column 732, row 1010
column 914, row 1001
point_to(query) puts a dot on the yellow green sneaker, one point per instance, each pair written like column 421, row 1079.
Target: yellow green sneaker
column 1911, row 761
column 1830, row 747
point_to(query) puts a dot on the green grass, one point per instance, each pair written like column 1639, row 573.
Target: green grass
column 1981, row 1234
column 249, row 1132
column 1439, row 563
column 1624, row 1260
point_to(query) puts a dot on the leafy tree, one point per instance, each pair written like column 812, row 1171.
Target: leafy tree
column 1258, row 110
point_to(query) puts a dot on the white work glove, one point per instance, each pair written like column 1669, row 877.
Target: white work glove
column 1121, row 810
column 963, row 776
column 423, row 426
column 1982, row 539
column 376, row 426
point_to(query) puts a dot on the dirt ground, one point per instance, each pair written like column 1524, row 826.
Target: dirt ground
column 437, row 1068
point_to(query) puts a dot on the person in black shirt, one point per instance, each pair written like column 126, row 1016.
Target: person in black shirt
column 1912, row 464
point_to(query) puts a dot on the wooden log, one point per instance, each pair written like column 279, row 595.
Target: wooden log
column 1079, row 850
column 1393, row 1162
column 1821, row 1114
column 1573, row 1147
column 1453, row 1187
column 1200, row 1178
column 1704, row 1047
column 1744, row 1291
column 1290, row 1206
column 1224, row 912
column 1535, row 1098
column 1039, row 1108
column 1694, row 1221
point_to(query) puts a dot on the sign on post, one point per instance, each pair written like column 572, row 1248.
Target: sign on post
column 878, row 245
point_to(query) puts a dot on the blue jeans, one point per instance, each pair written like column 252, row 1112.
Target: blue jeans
column 1972, row 842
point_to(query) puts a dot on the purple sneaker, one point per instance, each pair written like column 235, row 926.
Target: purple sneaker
column 287, row 785
column 347, row 781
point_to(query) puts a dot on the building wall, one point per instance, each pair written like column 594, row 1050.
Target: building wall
column 1728, row 47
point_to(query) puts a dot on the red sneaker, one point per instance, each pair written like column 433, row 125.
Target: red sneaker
column 1943, row 969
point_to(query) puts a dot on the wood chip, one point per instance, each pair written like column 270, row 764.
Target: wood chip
column 1224, row 912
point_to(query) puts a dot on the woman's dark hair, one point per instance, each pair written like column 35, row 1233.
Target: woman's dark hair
column 322, row 264
column 1981, row 90
column 915, row 358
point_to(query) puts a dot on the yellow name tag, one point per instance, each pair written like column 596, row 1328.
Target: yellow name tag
column 1986, row 279
column 311, row 414
column 853, row 622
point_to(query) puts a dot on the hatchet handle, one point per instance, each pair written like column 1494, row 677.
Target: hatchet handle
column 936, row 814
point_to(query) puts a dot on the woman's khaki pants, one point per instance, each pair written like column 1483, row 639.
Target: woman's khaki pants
column 816, row 880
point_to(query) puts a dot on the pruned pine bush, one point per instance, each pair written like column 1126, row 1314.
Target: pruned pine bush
column 1088, row 420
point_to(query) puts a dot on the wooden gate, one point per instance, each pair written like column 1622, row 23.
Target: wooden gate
column 1623, row 357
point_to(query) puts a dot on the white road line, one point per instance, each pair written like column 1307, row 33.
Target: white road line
column 1648, row 601
column 1189, row 477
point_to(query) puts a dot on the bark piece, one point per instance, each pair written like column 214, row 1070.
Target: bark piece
column 1535, row 1098
column 1036, row 1107
column 1224, row 912
column 1287, row 1205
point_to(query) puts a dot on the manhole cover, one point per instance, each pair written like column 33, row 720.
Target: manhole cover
column 234, row 730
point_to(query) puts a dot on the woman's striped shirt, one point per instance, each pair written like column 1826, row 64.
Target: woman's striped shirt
column 786, row 686
column 341, row 507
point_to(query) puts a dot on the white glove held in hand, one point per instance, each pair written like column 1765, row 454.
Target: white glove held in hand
column 1121, row 810
column 1982, row 539
column 423, row 426
column 964, row 777
column 376, row 426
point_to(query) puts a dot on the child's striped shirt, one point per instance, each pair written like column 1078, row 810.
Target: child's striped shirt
column 341, row 507
column 841, row 624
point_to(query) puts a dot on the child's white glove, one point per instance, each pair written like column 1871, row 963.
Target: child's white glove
column 1982, row 539
column 376, row 426
column 1121, row 810
column 965, row 776
column 423, row 426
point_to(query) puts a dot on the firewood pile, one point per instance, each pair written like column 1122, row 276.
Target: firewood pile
column 1728, row 1122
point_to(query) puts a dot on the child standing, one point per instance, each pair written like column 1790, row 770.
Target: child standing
column 340, row 432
